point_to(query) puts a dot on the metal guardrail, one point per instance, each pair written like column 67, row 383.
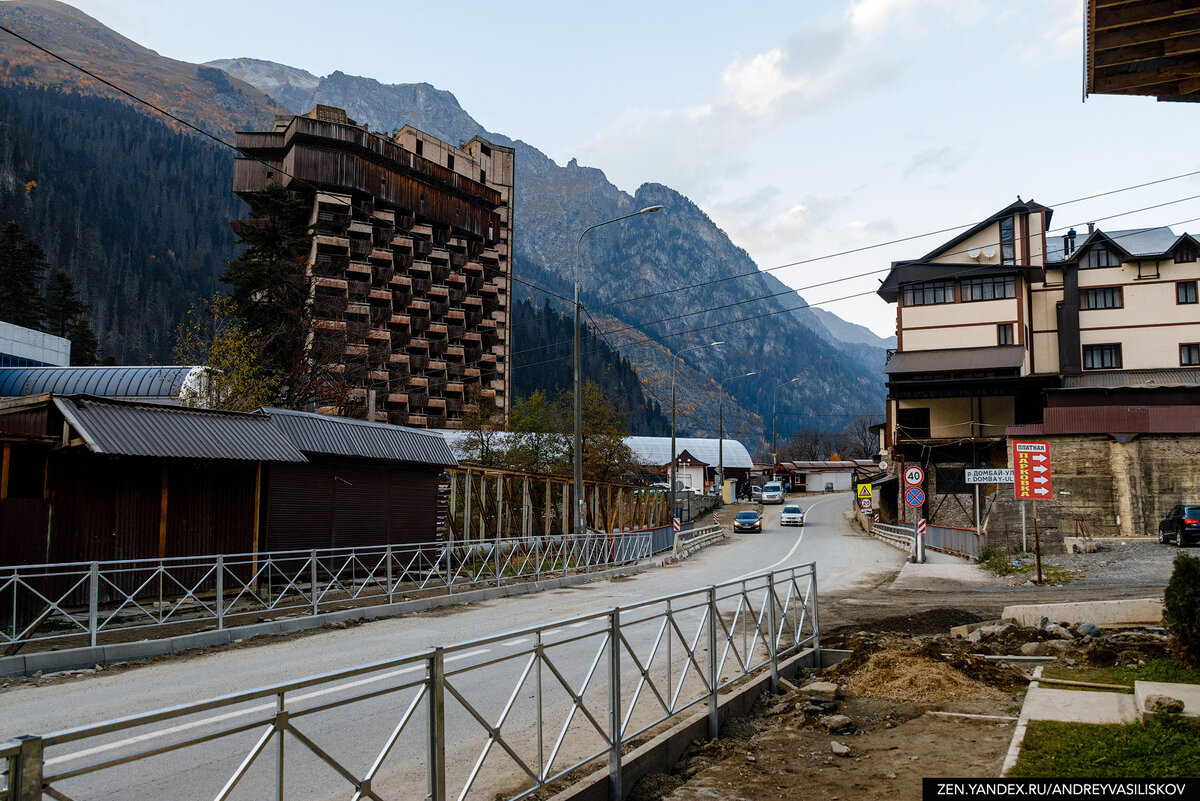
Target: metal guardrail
column 55, row 602
column 518, row 710
column 901, row 537
column 958, row 541
column 688, row 541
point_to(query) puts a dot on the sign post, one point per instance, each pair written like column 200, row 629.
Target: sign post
column 915, row 497
column 1032, row 479
column 864, row 498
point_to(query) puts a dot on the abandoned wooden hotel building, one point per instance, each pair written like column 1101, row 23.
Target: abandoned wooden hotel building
column 410, row 259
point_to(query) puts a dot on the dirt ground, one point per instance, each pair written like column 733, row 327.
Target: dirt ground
column 887, row 729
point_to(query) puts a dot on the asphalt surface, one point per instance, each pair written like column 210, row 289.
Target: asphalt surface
column 491, row 677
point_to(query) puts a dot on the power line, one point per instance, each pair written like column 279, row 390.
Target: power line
column 806, row 304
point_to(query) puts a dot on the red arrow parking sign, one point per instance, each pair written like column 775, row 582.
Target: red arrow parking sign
column 1031, row 470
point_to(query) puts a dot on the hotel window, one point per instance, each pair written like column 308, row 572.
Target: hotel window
column 450, row 161
column 1102, row 357
column 929, row 293
column 990, row 288
column 1005, row 333
column 1185, row 292
column 1108, row 297
column 1185, row 254
column 1189, row 355
column 1007, row 246
column 1099, row 257
column 420, row 147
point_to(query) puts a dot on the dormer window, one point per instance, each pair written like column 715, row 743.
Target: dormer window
column 1099, row 257
column 1185, row 253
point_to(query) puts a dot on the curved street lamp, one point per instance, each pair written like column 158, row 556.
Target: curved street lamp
column 674, row 364
column 721, row 431
column 578, row 443
column 774, row 395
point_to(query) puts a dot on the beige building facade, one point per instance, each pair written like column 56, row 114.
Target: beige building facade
column 1014, row 328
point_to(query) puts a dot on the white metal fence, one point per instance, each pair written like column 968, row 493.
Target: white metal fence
column 82, row 601
column 496, row 717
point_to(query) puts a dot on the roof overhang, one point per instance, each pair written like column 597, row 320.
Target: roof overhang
column 1147, row 48
column 951, row 360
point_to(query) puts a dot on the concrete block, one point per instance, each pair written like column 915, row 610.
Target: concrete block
column 143, row 649
column 12, row 665
column 1110, row 614
column 53, row 661
column 822, row 689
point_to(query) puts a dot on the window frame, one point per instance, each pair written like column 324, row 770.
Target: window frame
column 908, row 293
column 1007, row 284
column 1008, row 246
column 1085, row 263
column 1194, row 295
column 1102, row 350
column 1195, row 350
column 1188, row 254
column 1086, row 293
column 1000, row 334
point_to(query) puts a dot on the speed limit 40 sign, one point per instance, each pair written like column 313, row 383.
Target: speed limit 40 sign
column 913, row 476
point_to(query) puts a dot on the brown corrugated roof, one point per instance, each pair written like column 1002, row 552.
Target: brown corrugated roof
column 995, row 357
column 1113, row 420
column 1134, row 379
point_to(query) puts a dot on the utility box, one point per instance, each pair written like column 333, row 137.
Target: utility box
column 729, row 491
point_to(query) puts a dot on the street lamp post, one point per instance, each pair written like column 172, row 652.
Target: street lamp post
column 578, row 516
column 674, row 364
column 774, row 395
column 721, row 432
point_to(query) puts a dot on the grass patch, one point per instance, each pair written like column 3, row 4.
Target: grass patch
column 1003, row 564
column 1164, row 747
column 1161, row 669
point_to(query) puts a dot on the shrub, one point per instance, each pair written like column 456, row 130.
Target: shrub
column 1181, row 609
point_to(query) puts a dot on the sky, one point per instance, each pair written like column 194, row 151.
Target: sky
column 804, row 129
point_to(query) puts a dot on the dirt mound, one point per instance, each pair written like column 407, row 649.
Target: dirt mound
column 904, row 673
column 931, row 621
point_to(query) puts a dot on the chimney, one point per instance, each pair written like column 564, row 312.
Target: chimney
column 1071, row 236
column 1091, row 227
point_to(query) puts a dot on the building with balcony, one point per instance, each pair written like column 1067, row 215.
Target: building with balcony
column 410, row 259
column 1089, row 340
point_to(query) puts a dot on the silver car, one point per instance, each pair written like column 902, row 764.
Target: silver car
column 772, row 492
column 791, row 515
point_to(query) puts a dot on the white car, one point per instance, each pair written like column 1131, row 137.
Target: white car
column 772, row 492
column 791, row 515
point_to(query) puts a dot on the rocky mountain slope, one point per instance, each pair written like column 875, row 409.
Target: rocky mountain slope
column 628, row 271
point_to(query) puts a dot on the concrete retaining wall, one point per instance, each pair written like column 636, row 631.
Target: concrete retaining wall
column 1114, row 614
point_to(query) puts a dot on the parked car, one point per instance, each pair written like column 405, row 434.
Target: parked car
column 1181, row 525
column 755, row 493
column 748, row 520
column 791, row 515
column 772, row 492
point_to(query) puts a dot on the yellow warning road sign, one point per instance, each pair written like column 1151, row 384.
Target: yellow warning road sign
column 864, row 491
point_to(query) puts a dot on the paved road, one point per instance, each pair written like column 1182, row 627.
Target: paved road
column 844, row 562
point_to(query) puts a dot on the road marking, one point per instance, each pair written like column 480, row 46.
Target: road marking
column 799, row 539
column 580, row 623
column 510, row 643
column 99, row 749
column 551, row 631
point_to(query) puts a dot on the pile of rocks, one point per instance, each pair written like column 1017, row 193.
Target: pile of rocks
column 1084, row 641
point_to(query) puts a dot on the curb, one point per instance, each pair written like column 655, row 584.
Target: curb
column 86, row 657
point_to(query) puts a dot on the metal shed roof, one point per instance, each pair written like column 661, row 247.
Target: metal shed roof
column 109, row 382
column 657, row 450
column 1134, row 379
column 993, row 357
column 142, row 429
column 339, row 436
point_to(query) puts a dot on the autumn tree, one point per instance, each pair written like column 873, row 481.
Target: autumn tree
column 213, row 336
column 539, row 427
column 606, row 457
column 483, row 421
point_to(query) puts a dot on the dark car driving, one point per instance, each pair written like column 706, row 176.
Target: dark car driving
column 1181, row 525
column 747, row 521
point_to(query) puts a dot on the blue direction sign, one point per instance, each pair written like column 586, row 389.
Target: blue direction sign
column 914, row 496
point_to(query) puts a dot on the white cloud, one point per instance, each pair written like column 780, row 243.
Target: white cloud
column 938, row 161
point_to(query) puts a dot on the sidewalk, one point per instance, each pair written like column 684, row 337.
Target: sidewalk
column 938, row 570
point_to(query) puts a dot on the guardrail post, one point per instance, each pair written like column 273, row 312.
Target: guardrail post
column 772, row 647
column 437, row 726
column 449, row 571
column 93, row 603
column 220, row 591
column 26, row 779
column 815, row 622
column 312, row 580
column 387, row 555
column 614, row 706
column 713, row 680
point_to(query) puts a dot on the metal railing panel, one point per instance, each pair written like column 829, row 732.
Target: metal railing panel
column 504, row 714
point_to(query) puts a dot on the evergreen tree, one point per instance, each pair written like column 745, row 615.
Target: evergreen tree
column 84, row 346
column 22, row 265
column 62, row 308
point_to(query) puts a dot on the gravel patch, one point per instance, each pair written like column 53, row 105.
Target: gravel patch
column 1130, row 563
